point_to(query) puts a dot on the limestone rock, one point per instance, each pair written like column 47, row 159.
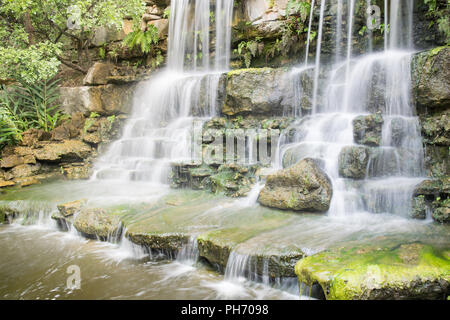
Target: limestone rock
column 263, row 91
column 105, row 99
column 441, row 210
column 97, row 224
column 23, row 170
column 367, row 129
column 4, row 184
column 302, row 187
column 31, row 136
column 418, row 208
column 431, row 79
column 76, row 172
column 98, row 74
column 68, row 150
column 353, row 162
column 28, row 181
column 388, row 272
column 70, row 208
column 11, row 161
column 162, row 25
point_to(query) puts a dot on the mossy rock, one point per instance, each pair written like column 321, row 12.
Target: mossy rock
column 406, row 271
column 98, row 224
column 7, row 214
column 169, row 243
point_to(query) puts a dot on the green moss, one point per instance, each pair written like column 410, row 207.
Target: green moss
column 250, row 70
column 436, row 50
column 403, row 271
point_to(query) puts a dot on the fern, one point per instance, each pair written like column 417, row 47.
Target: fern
column 143, row 40
column 28, row 106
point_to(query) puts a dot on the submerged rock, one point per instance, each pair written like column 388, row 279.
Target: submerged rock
column 353, row 162
column 407, row 271
column 367, row 129
column 97, row 224
column 302, row 187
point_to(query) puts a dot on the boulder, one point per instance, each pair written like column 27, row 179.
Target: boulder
column 367, row 129
column 98, row 74
column 431, row 79
column 257, row 91
column 302, row 187
column 388, row 272
column 97, row 224
column 68, row 150
column 353, row 162
column 70, row 208
column 105, row 99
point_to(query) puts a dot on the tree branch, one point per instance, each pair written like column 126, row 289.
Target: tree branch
column 71, row 65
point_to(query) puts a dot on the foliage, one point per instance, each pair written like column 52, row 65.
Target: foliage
column 143, row 40
column 248, row 49
column 90, row 121
column 440, row 13
column 28, row 106
column 298, row 7
column 32, row 64
column 33, row 33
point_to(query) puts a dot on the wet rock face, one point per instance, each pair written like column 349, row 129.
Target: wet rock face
column 432, row 196
column 97, row 224
column 302, row 187
column 262, row 91
column 399, row 272
column 353, row 162
column 418, row 208
column 431, row 79
column 436, row 137
column 367, row 129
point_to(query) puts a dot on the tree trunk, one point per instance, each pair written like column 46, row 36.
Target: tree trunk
column 29, row 27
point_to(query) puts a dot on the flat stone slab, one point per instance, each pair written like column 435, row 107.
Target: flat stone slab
column 395, row 271
column 240, row 240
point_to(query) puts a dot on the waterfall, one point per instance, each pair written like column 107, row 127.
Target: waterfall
column 167, row 106
column 318, row 52
column 354, row 88
column 308, row 40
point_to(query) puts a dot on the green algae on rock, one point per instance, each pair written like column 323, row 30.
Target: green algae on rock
column 406, row 271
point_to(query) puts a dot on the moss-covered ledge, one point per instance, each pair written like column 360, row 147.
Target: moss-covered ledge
column 403, row 271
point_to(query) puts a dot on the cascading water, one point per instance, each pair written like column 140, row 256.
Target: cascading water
column 375, row 82
column 159, row 131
